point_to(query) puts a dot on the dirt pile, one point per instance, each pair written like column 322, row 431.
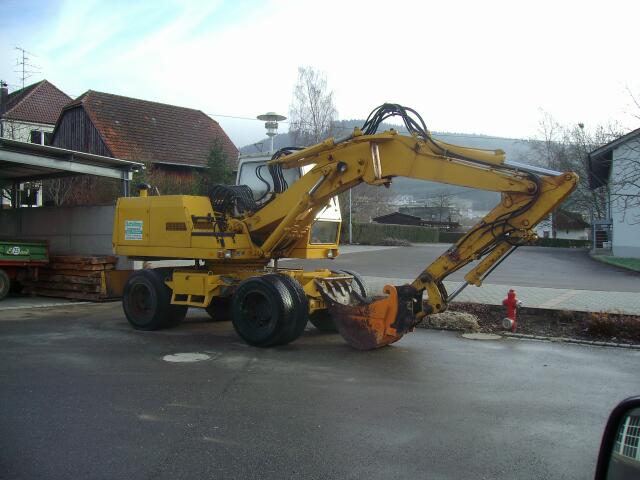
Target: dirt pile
column 452, row 320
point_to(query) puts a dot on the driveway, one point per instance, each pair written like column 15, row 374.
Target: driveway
column 85, row 396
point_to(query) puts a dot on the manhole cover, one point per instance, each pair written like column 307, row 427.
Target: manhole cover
column 186, row 357
column 481, row 336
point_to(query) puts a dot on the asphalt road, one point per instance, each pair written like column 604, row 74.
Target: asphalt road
column 84, row 396
column 527, row 266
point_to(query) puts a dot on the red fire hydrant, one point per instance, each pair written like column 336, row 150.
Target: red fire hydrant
column 512, row 303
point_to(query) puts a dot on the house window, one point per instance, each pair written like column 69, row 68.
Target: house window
column 41, row 138
column 36, row 136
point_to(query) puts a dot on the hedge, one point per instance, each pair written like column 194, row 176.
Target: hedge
column 563, row 242
column 375, row 233
column 450, row 237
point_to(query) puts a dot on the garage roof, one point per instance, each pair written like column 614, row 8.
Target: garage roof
column 23, row 162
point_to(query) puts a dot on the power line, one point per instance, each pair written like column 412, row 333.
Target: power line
column 341, row 128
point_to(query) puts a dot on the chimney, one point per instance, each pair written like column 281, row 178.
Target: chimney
column 4, row 94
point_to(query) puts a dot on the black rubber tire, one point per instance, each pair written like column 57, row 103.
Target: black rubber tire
column 294, row 329
column 146, row 302
column 321, row 318
column 364, row 289
column 5, row 284
column 261, row 310
column 177, row 313
column 323, row 321
column 219, row 309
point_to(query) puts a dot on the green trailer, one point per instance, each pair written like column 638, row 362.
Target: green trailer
column 18, row 255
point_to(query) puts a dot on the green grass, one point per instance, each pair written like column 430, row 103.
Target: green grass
column 630, row 263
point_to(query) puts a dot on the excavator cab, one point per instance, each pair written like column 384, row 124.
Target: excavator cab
column 323, row 237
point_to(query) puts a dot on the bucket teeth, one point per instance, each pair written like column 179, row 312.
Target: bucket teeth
column 368, row 323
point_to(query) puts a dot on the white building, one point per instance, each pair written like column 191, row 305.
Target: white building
column 29, row 115
column 615, row 168
column 563, row 225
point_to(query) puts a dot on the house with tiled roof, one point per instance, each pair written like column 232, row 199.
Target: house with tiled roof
column 166, row 137
column 564, row 224
column 30, row 114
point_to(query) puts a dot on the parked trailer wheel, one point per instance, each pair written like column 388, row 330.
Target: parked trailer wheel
column 301, row 307
column 261, row 311
column 146, row 301
column 321, row 318
column 5, row 284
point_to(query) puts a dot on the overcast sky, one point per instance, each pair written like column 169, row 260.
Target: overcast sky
column 474, row 67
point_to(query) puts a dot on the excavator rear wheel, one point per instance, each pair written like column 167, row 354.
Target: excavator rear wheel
column 262, row 311
column 321, row 318
column 146, row 301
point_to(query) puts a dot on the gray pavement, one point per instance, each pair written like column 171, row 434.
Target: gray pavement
column 85, row 396
column 16, row 301
column 553, row 278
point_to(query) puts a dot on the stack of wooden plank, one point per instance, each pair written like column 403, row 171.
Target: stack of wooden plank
column 77, row 277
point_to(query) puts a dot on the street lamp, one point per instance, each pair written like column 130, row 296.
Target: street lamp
column 271, row 120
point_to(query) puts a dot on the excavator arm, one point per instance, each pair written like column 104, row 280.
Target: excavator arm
column 528, row 194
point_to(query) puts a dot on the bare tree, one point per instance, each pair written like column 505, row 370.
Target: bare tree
column 312, row 111
column 624, row 185
column 442, row 201
column 566, row 148
column 636, row 103
column 59, row 191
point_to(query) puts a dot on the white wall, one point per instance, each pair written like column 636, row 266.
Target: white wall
column 21, row 131
column 582, row 234
column 546, row 225
column 82, row 230
column 626, row 224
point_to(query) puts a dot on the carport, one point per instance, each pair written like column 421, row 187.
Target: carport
column 69, row 230
column 24, row 162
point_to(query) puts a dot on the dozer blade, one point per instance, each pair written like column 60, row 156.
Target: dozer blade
column 368, row 323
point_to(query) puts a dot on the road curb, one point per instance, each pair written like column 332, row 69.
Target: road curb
column 571, row 340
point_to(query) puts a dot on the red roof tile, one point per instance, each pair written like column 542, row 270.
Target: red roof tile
column 145, row 131
column 41, row 102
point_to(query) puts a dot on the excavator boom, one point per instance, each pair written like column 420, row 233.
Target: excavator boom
column 528, row 195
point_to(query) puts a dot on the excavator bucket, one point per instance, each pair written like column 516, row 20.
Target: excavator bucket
column 372, row 322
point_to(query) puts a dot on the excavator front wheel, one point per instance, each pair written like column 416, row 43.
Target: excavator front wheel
column 267, row 311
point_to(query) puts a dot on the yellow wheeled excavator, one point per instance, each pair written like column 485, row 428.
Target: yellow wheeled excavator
column 236, row 235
